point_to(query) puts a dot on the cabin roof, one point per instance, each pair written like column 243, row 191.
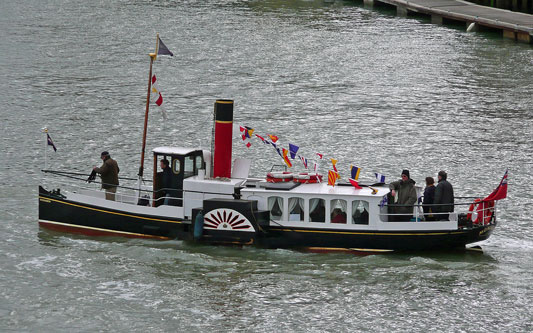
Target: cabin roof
column 174, row 150
column 324, row 189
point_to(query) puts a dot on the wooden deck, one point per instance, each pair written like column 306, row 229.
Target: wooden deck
column 514, row 25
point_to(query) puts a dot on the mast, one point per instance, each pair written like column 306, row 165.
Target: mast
column 153, row 57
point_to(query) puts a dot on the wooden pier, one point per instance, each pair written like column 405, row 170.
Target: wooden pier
column 514, row 25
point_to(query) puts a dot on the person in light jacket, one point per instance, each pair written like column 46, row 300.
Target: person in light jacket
column 109, row 174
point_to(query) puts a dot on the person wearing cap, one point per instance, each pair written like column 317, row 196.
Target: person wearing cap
column 109, row 174
column 404, row 193
column 443, row 197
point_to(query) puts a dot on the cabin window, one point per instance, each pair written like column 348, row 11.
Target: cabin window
column 176, row 166
column 189, row 166
column 275, row 206
column 199, row 161
column 338, row 210
column 317, row 210
column 296, row 209
column 360, row 212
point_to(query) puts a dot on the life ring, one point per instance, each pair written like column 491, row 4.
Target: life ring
column 485, row 209
column 307, row 178
column 278, row 177
column 471, row 209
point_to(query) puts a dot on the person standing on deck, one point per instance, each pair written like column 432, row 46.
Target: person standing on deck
column 443, row 197
column 166, row 181
column 404, row 193
column 429, row 198
column 109, row 174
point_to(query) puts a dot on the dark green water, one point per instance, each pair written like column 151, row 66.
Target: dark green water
column 371, row 89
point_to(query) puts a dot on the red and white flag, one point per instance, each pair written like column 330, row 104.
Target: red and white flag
column 156, row 97
column 156, row 94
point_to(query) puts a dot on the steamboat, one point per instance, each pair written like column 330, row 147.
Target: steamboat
column 215, row 202
column 208, row 198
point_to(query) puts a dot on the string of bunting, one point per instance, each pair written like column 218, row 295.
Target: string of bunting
column 291, row 154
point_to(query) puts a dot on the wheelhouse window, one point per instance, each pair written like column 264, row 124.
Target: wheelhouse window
column 338, row 210
column 317, row 210
column 296, row 209
column 189, row 167
column 199, row 162
column 275, row 206
column 176, row 166
column 360, row 212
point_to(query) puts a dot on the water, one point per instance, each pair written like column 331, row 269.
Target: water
column 363, row 86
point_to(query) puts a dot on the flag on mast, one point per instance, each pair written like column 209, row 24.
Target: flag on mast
column 50, row 142
column 499, row 192
column 162, row 49
column 156, row 94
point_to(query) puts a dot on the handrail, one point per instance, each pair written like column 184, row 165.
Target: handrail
column 431, row 205
column 122, row 194
column 65, row 173
column 419, row 215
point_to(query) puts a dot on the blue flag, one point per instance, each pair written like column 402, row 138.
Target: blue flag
column 379, row 177
column 50, row 142
column 163, row 49
column 355, row 171
column 292, row 150
column 383, row 202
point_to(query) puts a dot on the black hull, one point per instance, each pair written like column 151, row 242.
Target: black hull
column 385, row 240
column 60, row 214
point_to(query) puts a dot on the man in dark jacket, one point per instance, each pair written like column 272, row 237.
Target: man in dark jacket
column 166, row 181
column 443, row 197
column 429, row 198
column 405, row 192
column 109, row 174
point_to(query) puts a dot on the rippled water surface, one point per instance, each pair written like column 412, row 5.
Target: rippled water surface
column 364, row 86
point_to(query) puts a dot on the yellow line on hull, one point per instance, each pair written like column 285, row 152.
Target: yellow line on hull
column 100, row 229
column 106, row 211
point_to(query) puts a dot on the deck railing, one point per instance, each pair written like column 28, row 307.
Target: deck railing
column 126, row 193
column 478, row 212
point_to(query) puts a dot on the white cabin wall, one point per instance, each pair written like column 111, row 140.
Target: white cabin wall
column 262, row 203
column 207, row 160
